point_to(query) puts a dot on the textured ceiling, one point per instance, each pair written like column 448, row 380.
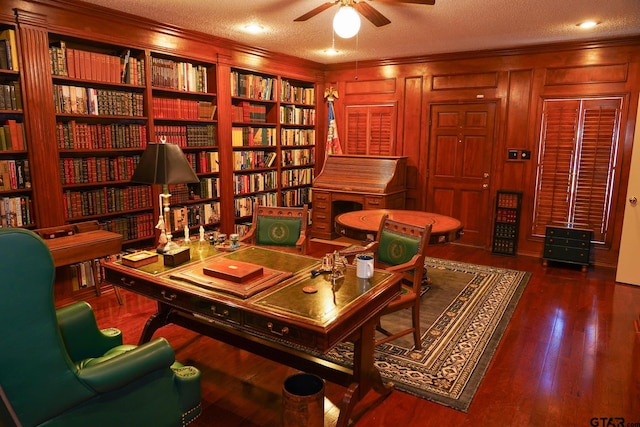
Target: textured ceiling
column 446, row 27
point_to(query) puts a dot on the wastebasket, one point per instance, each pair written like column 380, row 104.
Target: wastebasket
column 303, row 401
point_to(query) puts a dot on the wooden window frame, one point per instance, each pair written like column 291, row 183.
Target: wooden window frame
column 578, row 161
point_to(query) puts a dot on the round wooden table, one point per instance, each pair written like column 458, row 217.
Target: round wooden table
column 364, row 224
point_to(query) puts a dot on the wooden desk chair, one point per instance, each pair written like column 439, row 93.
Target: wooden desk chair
column 400, row 248
column 279, row 227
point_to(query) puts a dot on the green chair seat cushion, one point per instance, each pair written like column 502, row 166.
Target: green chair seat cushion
column 395, row 248
column 278, row 231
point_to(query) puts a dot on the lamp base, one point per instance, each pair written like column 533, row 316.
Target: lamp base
column 163, row 248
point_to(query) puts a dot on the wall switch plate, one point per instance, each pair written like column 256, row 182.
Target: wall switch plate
column 525, row 154
column 513, row 154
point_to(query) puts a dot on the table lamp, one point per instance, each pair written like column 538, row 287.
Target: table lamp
column 164, row 164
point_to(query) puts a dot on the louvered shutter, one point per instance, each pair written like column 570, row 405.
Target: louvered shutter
column 370, row 130
column 577, row 164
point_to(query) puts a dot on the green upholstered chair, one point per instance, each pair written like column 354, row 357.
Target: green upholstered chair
column 58, row 369
column 279, row 227
column 400, row 248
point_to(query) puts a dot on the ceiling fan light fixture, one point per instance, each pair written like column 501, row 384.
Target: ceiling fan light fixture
column 346, row 23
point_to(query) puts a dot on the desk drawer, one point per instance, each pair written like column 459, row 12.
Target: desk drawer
column 279, row 330
column 175, row 297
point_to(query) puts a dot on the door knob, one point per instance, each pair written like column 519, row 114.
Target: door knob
column 633, row 200
column 485, row 186
column 485, row 175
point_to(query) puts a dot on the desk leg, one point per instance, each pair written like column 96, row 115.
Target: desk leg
column 365, row 375
column 157, row 320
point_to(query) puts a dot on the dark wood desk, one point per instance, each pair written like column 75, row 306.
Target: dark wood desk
column 364, row 224
column 88, row 242
column 282, row 323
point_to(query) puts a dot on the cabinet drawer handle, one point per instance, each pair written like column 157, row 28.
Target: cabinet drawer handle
column 214, row 310
column 130, row 284
column 170, row 297
column 284, row 331
column 373, row 202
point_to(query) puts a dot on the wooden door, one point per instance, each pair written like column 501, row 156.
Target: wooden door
column 461, row 140
column 628, row 270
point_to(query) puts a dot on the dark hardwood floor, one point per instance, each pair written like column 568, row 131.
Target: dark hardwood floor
column 568, row 356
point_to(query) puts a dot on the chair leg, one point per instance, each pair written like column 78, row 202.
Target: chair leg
column 416, row 325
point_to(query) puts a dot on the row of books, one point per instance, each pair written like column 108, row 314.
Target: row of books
column 243, row 206
column 204, row 161
column 245, row 160
column 255, row 182
column 297, row 136
column 16, row 211
column 247, row 112
column 15, row 174
column 12, row 136
column 132, row 227
column 194, row 215
column 296, row 196
column 207, row 188
column 10, row 96
column 93, row 136
column 183, row 76
column 242, row 136
column 300, row 157
column 8, row 50
column 83, row 275
column 93, row 170
column 105, row 200
column 101, row 67
column 294, row 177
column 292, row 115
column 297, row 94
column 186, row 109
column 252, row 86
column 189, row 135
column 104, row 102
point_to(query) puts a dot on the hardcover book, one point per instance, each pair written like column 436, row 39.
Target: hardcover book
column 233, row 271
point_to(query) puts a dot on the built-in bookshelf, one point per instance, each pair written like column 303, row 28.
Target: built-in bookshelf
column 254, row 110
column 101, row 131
column 184, row 104
column 15, row 172
column 297, row 141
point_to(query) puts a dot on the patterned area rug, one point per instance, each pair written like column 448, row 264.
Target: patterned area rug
column 464, row 315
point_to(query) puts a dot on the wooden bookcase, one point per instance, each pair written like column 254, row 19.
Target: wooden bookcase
column 15, row 170
column 101, row 131
column 273, row 141
column 297, row 141
column 184, row 110
column 506, row 223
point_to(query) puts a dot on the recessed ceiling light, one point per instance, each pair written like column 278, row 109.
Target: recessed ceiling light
column 253, row 28
column 588, row 24
column 331, row 51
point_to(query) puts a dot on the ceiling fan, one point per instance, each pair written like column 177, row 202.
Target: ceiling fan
column 364, row 8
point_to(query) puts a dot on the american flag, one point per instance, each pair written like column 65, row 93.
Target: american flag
column 333, row 142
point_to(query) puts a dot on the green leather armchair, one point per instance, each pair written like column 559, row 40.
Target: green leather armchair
column 58, row 369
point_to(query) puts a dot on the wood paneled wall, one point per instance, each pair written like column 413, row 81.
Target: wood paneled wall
column 517, row 82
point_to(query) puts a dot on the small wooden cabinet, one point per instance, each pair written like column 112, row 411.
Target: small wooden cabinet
column 567, row 244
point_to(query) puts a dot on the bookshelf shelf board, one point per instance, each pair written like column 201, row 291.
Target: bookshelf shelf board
column 15, row 191
column 102, row 84
column 177, row 93
column 194, row 121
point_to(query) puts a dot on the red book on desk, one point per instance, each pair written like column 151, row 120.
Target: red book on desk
column 233, row 271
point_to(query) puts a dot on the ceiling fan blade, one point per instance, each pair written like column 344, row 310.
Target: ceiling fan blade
column 429, row 2
column 366, row 10
column 315, row 11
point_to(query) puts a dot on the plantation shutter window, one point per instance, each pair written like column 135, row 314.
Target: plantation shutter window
column 370, row 130
column 577, row 164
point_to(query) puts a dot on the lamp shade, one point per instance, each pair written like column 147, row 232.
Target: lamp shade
column 163, row 164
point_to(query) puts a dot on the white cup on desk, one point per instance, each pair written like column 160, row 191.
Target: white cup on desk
column 364, row 266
